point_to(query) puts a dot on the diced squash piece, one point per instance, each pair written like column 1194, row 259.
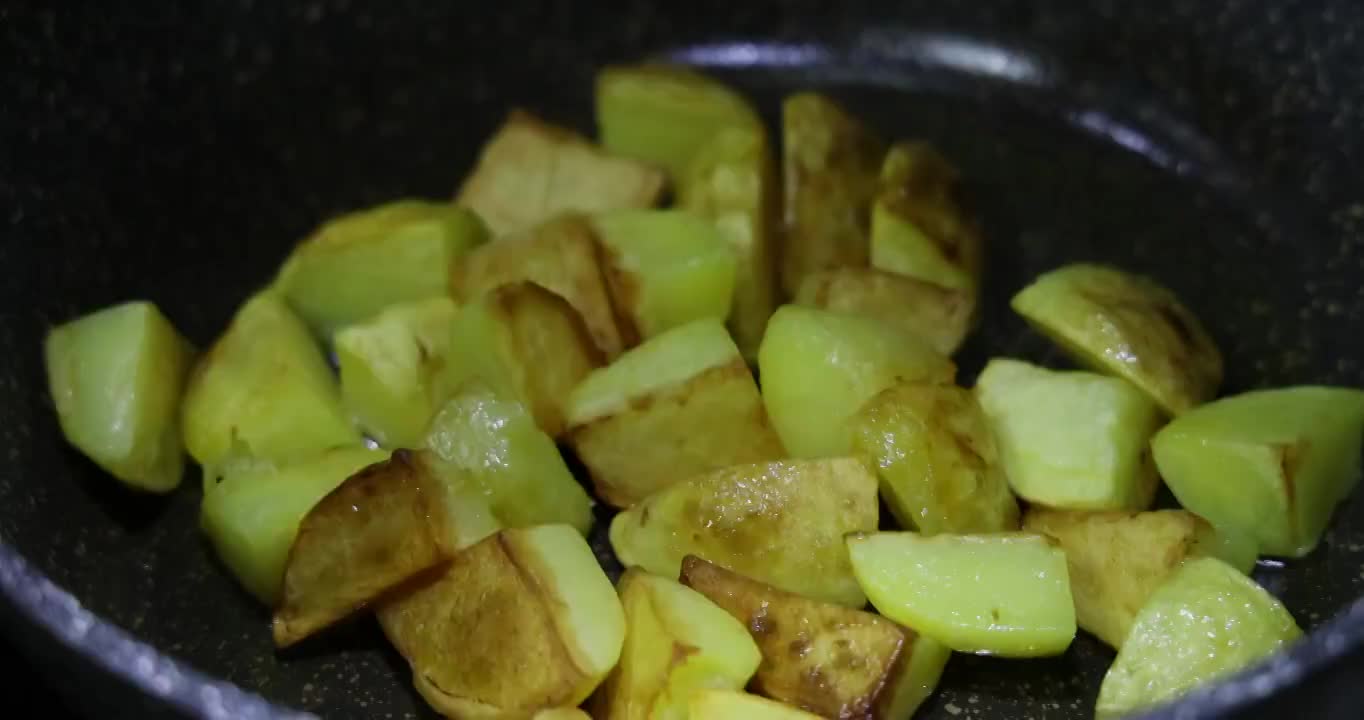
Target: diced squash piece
column 1206, row 622
column 358, row 264
column 525, row 343
column 829, row 174
column 562, row 256
column 1004, row 594
column 935, row 455
column 714, row 704
column 781, row 523
column 392, row 369
column 562, row 713
column 263, row 385
column 530, row 171
column 116, row 376
column 493, row 442
column 732, row 181
column 665, row 268
column 680, row 404
column 1129, row 326
column 676, row 641
column 819, row 367
column 1072, row 440
column 829, row 659
column 521, row 622
column 253, row 514
column 1271, row 464
column 940, row 316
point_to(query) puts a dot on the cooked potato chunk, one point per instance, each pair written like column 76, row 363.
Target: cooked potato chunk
column 734, row 705
column 732, row 181
column 562, row 256
column 680, row 404
column 665, row 268
column 523, row 621
column 1272, row 464
column 1117, row 559
column 380, row 527
column 940, row 316
column 779, row 522
column 1003, row 594
column 392, row 369
column 1072, row 440
column 1129, row 326
column 1207, row 621
column 526, row 343
column 116, row 376
column 676, row 641
column 831, row 660
column 664, row 115
column 358, row 264
column 563, row 713
column 253, row 514
column 829, row 169
column 935, row 455
column 917, row 228
column 820, row 367
column 531, row 171
column 263, row 385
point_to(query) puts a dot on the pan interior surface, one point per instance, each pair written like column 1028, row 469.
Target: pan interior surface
column 1059, row 168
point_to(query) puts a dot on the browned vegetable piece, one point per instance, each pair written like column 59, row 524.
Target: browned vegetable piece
column 939, row 315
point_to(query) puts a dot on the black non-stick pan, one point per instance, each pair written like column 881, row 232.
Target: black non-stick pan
column 175, row 151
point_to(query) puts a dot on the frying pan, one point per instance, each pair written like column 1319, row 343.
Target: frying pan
column 174, row 151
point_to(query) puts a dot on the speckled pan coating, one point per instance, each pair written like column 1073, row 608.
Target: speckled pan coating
column 174, row 152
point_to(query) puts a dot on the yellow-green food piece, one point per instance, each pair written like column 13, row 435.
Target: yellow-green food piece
column 829, row 174
column 253, row 514
column 1003, row 594
column 663, row 115
column 494, row 442
column 936, row 459
column 360, row 263
column 1271, row 464
column 1207, row 621
column 1072, row 440
column 917, row 229
column 116, row 376
column 732, row 182
column 939, row 315
column 263, row 389
column 665, row 268
column 1126, row 325
column 715, row 704
column 392, row 369
column 818, row 367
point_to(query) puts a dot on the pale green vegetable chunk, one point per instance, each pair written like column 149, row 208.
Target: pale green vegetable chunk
column 264, row 389
column 1071, row 440
column 493, row 442
column 392, row 367
column 665, row 268
column 935, row 455
column 1004, row 594
column 1272, row 464
column 360, row 263
column 1205, row 622
column 1126, row 325
column 253, row 514
column 664, row 115
column 116, row 376
column 817, row 368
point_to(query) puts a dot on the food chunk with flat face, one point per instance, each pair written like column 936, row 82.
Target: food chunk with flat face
column 780, row 522
column 829, row 659
column 680, row 404
column 116, row 377
column 935, row 455
column 1272, row 464
column 522, row 621
column 530, row 171
column 1069, row 439
column 1129, row 326
column 734, row 705
column 939, row 315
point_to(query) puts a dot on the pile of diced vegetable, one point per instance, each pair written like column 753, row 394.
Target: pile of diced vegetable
column 551, row 303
